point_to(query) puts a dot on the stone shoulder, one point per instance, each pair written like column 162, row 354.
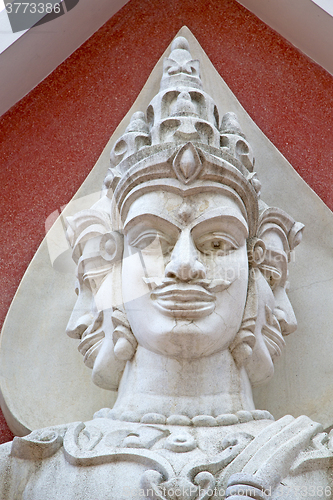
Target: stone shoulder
column 280, row 457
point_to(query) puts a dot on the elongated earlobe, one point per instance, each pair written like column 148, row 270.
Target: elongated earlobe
column 256, row 250
column 241, row 347
column 125, row 343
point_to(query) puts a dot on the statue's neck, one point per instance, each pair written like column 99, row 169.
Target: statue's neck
column 211, row 385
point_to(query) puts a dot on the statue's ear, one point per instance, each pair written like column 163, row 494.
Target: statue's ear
column 256, row 250
column 118, row 346
column 125, row 343
column 242, row 345
column 111, row 246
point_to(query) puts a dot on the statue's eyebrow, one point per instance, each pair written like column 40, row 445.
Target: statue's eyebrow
column 156, row 216
column 221, row 214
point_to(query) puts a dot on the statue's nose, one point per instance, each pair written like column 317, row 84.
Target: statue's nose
column 284, row 312
column 80, row 318
column 184, row 263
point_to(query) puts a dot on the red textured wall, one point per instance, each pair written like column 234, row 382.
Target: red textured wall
column 53, row 137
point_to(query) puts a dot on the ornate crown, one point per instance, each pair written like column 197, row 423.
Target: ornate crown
column 181, row 140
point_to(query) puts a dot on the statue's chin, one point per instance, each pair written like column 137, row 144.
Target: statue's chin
column 186, row 339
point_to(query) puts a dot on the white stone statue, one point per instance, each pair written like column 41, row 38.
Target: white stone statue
column 182, row 306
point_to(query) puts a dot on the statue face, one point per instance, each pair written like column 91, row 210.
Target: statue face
column 185, row 272
column 276, row 274
column 276, row 316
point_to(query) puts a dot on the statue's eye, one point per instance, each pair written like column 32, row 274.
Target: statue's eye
column 272, row 274
column 152, row 241
column 217, row 243
column 223, row 245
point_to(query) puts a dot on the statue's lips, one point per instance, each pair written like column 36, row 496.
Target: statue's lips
column 189, row 300
column 184, row 301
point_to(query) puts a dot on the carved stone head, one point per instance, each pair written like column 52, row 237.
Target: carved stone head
column 180, row 255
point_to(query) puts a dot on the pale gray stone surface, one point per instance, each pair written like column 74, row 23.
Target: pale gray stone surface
column 182, row 305
column 300, row 385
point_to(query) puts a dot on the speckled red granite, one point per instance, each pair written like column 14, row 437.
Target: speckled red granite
column 51, row 139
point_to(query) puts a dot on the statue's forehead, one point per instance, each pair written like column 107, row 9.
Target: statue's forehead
column 185, row 209
column 275, row 237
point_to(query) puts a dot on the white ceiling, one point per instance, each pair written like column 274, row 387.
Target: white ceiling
column 31, row 56
column 302, row 22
